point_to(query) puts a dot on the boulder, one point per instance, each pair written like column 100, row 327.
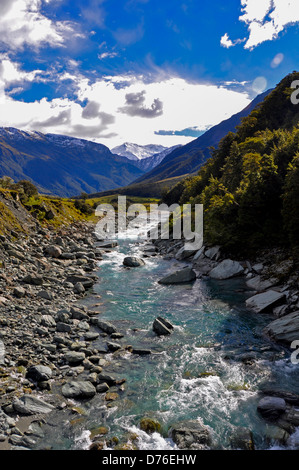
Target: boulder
column 133, row 262
column 106, row 327
column 284, row 330
column 271, row 408
column 30, row 405
column 112, row 347
column 266, row 301
column 85, row 280
column 256, row 283
column 162, row 327
column 242, row 439
column 80, row 389
column 213, row 253
column 183, row 253
column 226, row 270
column 34, row 279
column 74, row 358
column 53, row 251
column 190, row 435
column 179, row 277
column 39, row 373
column 19, row 292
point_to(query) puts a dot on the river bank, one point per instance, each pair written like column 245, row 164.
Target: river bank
column 64, row 356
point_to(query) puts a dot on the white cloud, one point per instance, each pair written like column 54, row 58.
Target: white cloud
column 265, row 19
column 225, row 41
column 22, row 23
column 104, row 109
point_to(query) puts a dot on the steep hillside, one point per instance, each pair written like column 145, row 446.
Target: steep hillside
column 62, row 165
column 250, row 187
column 189, row 158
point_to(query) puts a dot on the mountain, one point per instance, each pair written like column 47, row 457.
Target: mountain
column 62, row 165
column 250, row 187
column 149, row 163
column 189, row 158
column 137, row 152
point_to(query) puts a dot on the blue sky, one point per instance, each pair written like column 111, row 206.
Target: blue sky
column 144, row 71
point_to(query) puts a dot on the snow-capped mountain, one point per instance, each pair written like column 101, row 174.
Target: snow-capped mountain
column 137, row 152
column 145, row 157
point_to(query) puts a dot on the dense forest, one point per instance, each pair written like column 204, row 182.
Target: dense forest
column 250, row 185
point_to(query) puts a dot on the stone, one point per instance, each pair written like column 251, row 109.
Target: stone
column 74, row 357
column 242, row 439
column 19, row 292
column 182, row 276
column 266, row 301
column 85, row 280
column 284, row 330
column 133, row 262
column 79, row 288
column 105, row 378
column 190, row 435
column 63, row 327
column 43, row 294
column 150, row 425
column 35, row 280
column 53, row 251
column 113, row 347
column 226, row 270
column 162, row 326
column 271, row 408
column 183, row 253
column 256, row 283
column 102, row 388
column 30, row 405
column 39, row 373
column 78, row 389
column 199, row 253
column 213, row 253
column 106, row 327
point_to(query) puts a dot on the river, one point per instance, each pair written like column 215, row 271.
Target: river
column 198, row 372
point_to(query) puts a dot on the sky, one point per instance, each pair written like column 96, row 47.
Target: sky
column 141, row 71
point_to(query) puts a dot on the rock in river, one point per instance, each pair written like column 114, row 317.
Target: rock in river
column 190, row 435
column 133, row 262
column 226, row 270
column 162, row 326
column 179, row 277
column 271, row 407
column 265, row 301
column 80, row 389
column 284, row 330
column 30, row 405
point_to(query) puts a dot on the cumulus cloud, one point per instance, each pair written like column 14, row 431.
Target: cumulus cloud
column 113, row 109
column 91, row 110
column 135, row 106
column 265, row 19
column 22, row 23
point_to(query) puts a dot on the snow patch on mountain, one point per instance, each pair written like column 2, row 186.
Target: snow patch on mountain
column 137, row 152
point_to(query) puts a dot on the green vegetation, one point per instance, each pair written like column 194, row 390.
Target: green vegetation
column 250, row 186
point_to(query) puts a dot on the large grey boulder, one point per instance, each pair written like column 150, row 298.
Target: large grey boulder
column 266, row 301
column 85, row 280
column 213, row 253
column 133, row 262
column 256, row 283
column 271, row 407
column 183, row 253
column 74, row 358
column 190, row 435
column 30, row 405
column 81, row 389
column 284, row 330
column 106, row 327
column 179, row 277
column 162, row 327
column 226, row 270
column 39, row 373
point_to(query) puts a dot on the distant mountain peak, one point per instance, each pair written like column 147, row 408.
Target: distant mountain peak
column 137, row 152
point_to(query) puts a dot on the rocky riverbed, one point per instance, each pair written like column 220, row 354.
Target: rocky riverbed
column 49, row 361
